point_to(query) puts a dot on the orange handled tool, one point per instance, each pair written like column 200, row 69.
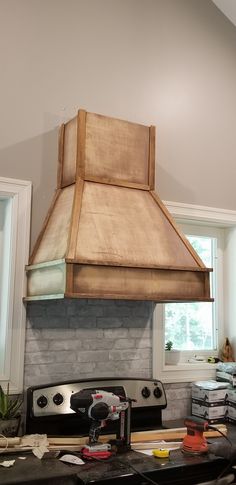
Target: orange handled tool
column 195, row 442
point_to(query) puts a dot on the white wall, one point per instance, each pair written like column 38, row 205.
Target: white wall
column 171, row 63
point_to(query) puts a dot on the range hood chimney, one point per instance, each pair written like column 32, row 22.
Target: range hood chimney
column 107, row 233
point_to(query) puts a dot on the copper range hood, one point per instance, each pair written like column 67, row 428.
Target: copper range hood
column 107, row 234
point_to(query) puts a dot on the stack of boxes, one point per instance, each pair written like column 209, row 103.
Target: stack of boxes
column 215, row 401
column 209, row 401
column 226, row 372
column 231, row 405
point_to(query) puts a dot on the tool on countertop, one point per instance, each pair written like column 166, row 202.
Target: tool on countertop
column 161, row 453
column 195, row 442
column 100, row 406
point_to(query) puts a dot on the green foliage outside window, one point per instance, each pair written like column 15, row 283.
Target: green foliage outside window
column 190, row 325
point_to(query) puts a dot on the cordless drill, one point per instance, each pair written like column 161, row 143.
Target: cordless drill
column 194, row 442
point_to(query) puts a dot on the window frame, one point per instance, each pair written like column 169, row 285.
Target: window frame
column 18, row 192
column 186, row 372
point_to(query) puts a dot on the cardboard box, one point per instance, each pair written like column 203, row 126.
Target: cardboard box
column 230, row 396
column 226, row 377
column 209, row 396
column 231, row 412
column 213, row 413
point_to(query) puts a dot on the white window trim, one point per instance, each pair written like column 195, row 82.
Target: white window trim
column 19, row 191
column 188, row 213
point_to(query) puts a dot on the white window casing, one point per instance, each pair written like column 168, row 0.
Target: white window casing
column 226, row 311
column 16, row 196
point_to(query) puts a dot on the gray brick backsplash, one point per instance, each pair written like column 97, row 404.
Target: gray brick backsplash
column 137, row 321
column 119, row 311
column 92, row 356
column 36, row 346
column 89, row 334
column 33, row 334
column 143, row 343
column 58, row 334
column 179, row 401
column 68, row 344
column 55, row 310
column 133, row 354
column 82, row 322
column 82, row 309
column 109, row 322
column 75, row 339
column 80, row 368
column 134, row 366
column 140, row 332
column 35, row 309
column 116, row 333
column 122, row 343
column 93, row 344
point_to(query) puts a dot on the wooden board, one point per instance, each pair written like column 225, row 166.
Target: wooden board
column 124, row 226
column 136, row 437
column 47, row 280
column 54, row 240
column 69, row 153
column 116, row 149
column 92, row 281
column 151, row 166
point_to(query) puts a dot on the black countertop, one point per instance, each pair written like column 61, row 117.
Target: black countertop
column 34, row 471
column 179, row 468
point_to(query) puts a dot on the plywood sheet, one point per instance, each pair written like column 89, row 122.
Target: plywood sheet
column 116, row 149
column 55, row 238
column 69, row 152
column 137, row 284
column 124, row 226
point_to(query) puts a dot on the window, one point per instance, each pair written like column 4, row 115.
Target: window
column 193, row 327
column 198, row 328
column 5, row 271
column 15, row 196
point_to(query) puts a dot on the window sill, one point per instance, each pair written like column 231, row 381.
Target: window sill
column 185, row 372
column 189, row 366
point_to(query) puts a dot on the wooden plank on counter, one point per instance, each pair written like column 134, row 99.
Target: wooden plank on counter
column 140, row 437
column 169, row 435
column 11, row 441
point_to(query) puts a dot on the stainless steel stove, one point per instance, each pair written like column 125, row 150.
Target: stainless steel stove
column 48, row 406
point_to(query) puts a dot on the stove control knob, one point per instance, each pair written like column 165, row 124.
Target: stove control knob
column 42, row 401
column 157, row 392
column 58, row 399
column 145, row 392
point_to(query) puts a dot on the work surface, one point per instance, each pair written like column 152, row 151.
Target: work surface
column 179, row 468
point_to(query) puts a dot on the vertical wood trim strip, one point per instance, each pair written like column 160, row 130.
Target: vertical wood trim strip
column 81, row 136
column 174, row 225
column 69, row 278
column 151, row 161
column 74, row 224
column 45, row 223
column 207, row 285
column 60, row 155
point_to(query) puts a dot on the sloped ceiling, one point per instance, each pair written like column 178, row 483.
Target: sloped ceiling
column 228, row 7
